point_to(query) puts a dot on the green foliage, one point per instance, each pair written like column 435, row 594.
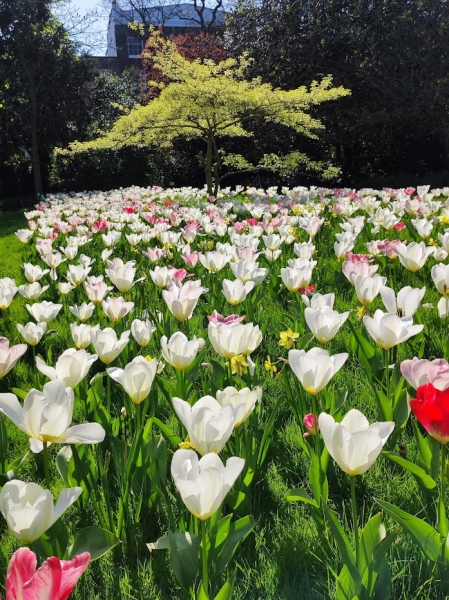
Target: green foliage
column 212, row 102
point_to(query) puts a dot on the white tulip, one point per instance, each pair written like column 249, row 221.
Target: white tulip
column 203, row 484
column 34, row 272
column 82, row 311
column 71, row 367
column 354, row 444
column 29, row 509
column 106, row 344
column 6, row 297
column 413, row 256
column 440, row 277
column 44, row 312
column 315, row 368
column 142, row 331
column 117, row 308
column 293, row 279
column 368, row 288
column 236, row 291
column 32, row 332
column 136, row 378
column 243, row 401
column 209, row 425
column 234, row 339
column 179, row 351
column 81, row 335
column 214, row 261
column 46, row 417
column 406, row 303
column 319, row 300
column 324, row 322
column 389, row 330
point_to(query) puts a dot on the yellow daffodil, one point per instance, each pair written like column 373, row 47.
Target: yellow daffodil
column 288, row 338
column 238, row 364
column 270, row 367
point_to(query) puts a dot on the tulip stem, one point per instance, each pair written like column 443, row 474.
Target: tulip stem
column 108, row 394
column 355, row 522
column 443, row 472
column 46, row 469
column 204, row 555
column 387, row 373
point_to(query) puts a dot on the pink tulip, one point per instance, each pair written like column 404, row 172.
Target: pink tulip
column 419, row 372
column 9, row 356
column 311, row 424
column 215, row 318
column 191, row 259
column 355, row 258
column 54, row 580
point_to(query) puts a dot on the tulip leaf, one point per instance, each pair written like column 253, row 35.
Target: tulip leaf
column 442, row 518
column 267, row 434
column 401, row 410
column 304, row 341
column 419, row 474
column 343, row 544
column 300, row 495
column 376, row 579
column 184, row 557
column 202, row 594
column 19, row 393
column 369, row 538
column 226, row 591
column 238, row 531
column 95, row 540
column 425, row 453
column 235, row 499
column 345, row 585
column 53, row 542
column 169, row 434
column 386, row 409
column 317, row 478
column 428, row 539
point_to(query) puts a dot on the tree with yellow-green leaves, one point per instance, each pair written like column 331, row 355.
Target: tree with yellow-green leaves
column 213, row 102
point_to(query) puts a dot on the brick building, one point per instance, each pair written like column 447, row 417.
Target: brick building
column 124, row 46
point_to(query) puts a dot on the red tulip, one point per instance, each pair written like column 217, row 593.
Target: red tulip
column 431, row 408
column 54, row 580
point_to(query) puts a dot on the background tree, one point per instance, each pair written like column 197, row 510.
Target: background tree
column 42, row 86
column 191, row 46
column 392, row 54
column 214, row 103
column 206, row 14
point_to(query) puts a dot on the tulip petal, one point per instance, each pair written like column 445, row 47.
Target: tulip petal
column 46, row 582
column 66, row 498
column 71, row 572
column 85, row 433
column 184, row 412
column 354, row 420
column 10, row 406
column 21, row 569
column 50, row 372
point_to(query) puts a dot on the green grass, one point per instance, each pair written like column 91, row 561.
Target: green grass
column 10, row 246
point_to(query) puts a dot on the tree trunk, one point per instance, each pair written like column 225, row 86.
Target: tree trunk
column 35, row 160
column 209, row 166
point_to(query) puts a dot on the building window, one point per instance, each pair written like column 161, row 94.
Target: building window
column 135, row 47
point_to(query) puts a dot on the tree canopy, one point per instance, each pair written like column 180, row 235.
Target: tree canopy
column 392, row 54
column 42, row 87
column 215, row 102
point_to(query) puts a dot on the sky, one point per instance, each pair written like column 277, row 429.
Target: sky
column 95, row 37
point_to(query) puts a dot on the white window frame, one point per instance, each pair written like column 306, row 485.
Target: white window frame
column 132, row 43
